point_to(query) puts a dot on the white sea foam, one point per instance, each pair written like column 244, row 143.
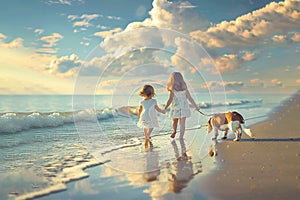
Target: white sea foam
column 13, row 122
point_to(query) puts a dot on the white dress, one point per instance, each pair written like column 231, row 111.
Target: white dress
column 148, row 117
column 180, row 106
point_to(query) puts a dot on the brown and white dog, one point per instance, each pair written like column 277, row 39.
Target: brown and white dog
column 232, row 121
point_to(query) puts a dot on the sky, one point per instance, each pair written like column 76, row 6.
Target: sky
column 116, row 46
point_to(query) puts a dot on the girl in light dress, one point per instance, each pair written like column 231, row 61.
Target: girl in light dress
column 147, row 111
column 178, row 99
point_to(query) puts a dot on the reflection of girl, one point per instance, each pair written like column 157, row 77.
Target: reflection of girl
column 152, row 170
column 183, row 168
column 178, row 99
column 147, row 114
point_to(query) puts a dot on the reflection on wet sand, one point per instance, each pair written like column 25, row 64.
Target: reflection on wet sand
column 160, row 180
column 182, row 170
column 152, row 163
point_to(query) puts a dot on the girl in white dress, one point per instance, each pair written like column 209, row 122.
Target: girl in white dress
column 147, row 111
column 178, row 99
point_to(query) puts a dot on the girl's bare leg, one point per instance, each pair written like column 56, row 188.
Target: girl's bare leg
column 174, row 126
column 182, row 127
column 149, row 132
column 146, row 133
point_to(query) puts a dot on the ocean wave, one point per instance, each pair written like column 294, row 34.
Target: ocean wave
column 238, row 103
column 16, row 122
column 13, row 122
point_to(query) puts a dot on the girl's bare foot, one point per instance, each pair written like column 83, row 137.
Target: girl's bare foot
column 173, row 135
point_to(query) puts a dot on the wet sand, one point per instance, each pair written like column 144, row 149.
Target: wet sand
column 267, row 167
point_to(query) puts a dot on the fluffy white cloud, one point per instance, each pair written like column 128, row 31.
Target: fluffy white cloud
column 83, row 20
column 259, row 27
column 63, row 2
column 289, row 38
column 38, row 31
column 173, row 15
column 190, row 56
column 256, row 80
column 220, row 86
column 65, row 65
column 16, row 43
column 150, row 41
column 252, row 28
column 2, row 36
column 276, row 82
column 296, row 37
column 133, row 39
column 233, row 62
column 51, row 40
column 108, row 34
column 82, row 23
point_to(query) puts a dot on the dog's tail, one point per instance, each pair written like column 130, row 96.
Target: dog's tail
column 247, row 131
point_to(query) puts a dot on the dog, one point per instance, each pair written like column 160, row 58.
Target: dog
column 232, row 121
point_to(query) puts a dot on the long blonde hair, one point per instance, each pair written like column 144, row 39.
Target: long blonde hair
column 176, row 82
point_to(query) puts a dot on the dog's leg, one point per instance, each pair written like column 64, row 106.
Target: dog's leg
column 236, row 133
column 215, row 130
column 225, row 134
column 235, row 128
column 240, row 132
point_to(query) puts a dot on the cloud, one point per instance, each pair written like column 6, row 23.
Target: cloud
column 256, row 80
column 252, row 28
column 14, row 44
column 51, row 40
column 220, row 86
column 63, row 2
column 267, row 26
column 190, row 56
column 82, row 23
column 114, row 17
column 2, row 36
column 134, row 39
column 279, row 38
column 296, row 37
column 149, row 41
column 108, row 34
column 83, row 20
column 39, row 31
column 153, row 33
column 65, row 65
column 233, row 62
column 276, row 82
column 172, row 15
column 289, row 38
column 256, row 83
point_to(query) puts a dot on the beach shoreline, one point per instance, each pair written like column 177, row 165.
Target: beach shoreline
column 267, row 167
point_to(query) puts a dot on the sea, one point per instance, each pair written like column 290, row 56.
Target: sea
column 40, row 135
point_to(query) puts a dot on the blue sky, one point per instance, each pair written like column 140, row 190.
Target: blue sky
column 51, row 46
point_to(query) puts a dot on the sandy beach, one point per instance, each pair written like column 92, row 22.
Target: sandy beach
column 267, row 167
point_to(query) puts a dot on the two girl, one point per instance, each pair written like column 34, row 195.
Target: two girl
column 179, row 96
